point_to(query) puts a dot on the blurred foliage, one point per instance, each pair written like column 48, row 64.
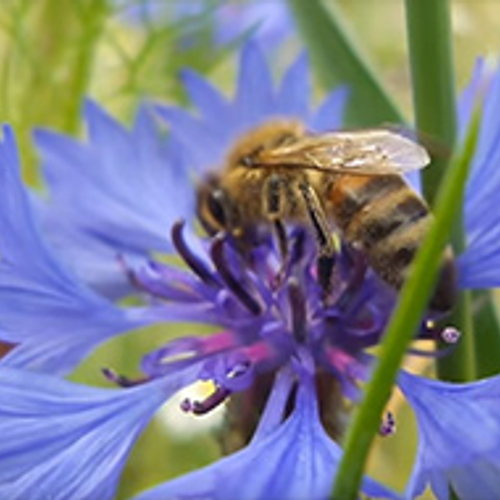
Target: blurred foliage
column 54, row 53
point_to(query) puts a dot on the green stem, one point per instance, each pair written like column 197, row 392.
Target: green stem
column 433, row 86
column 486, row 334
column 460, row 365
column 431, row 60
column 94, row 14
column 404, row 322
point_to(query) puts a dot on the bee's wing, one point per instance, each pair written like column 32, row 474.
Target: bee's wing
column 364, row 152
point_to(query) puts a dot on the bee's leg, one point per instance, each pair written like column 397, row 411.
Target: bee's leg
column 273, row 208
column 324, row 237
column 281, row 237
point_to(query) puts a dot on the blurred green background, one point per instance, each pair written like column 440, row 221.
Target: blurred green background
column 54, row 53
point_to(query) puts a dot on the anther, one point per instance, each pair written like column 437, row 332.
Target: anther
column 202, row 407
column 120, row 380
column 194, row 263
column 388, row 425
column 450, row 335
column 220, row 262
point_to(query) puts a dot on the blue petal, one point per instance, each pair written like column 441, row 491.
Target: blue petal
column 295, row 92
column 202, row 144
column 62, row 440
column 296, row 461
column 254, row 97
column 479, row 265
column 123, row 188
column 329, row 115
column 42, row 305
column 459, row 437
column 210, row 102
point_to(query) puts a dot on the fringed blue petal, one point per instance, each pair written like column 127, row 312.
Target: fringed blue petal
column 122, row 188
column 459, row 437
column 93, row 260
column 209, row 101
column 202, row 144
column 254, row 95
column 295, row 461
column 62, row 440
column 479, row 265
column 330, row 113
column 294, row 93
column 54, row 318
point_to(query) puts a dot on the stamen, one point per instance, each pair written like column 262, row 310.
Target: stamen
column 388, row 425
column 298, row 310
column 450, row 335
column 172, row 356
column 202, row 407
column 430, row 330
column 194, row 263
column 356, row 280
column 120, row 380
column 218, row 257
column 298, row 247
column 159, row 287
column 129, row 273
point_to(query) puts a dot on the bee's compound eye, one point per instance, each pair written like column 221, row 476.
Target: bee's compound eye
column 247, row 161
column 216, row 206
column 251, row 159
column 213, row 207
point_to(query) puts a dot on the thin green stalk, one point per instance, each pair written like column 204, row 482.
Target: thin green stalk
column 432, row 75
column 93, row 14
column 433, row 84
column 404, row 322
column 460, row 364
column 486, row 334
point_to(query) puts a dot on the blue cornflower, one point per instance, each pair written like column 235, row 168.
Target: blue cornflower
column 279, row 345
column 261, row 317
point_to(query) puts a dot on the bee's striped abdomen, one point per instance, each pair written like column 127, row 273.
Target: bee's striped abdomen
column 385, row 219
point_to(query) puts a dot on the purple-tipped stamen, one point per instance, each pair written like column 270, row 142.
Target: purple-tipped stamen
column 194, row 263
column 388, row 425
column 203, row 407
column 218, row 256
column 298, row 310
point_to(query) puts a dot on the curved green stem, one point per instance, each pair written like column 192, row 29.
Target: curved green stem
column 433, row 83
column 404, row 322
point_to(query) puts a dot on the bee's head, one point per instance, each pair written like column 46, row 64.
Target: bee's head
column 214, row 208
column 249, row 149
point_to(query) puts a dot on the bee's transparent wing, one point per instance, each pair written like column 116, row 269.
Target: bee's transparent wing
column 363, row 152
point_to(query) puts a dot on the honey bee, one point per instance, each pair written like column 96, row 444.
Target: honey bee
column 351, row 180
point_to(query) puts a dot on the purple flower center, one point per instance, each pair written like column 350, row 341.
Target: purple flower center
column 270, row 308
